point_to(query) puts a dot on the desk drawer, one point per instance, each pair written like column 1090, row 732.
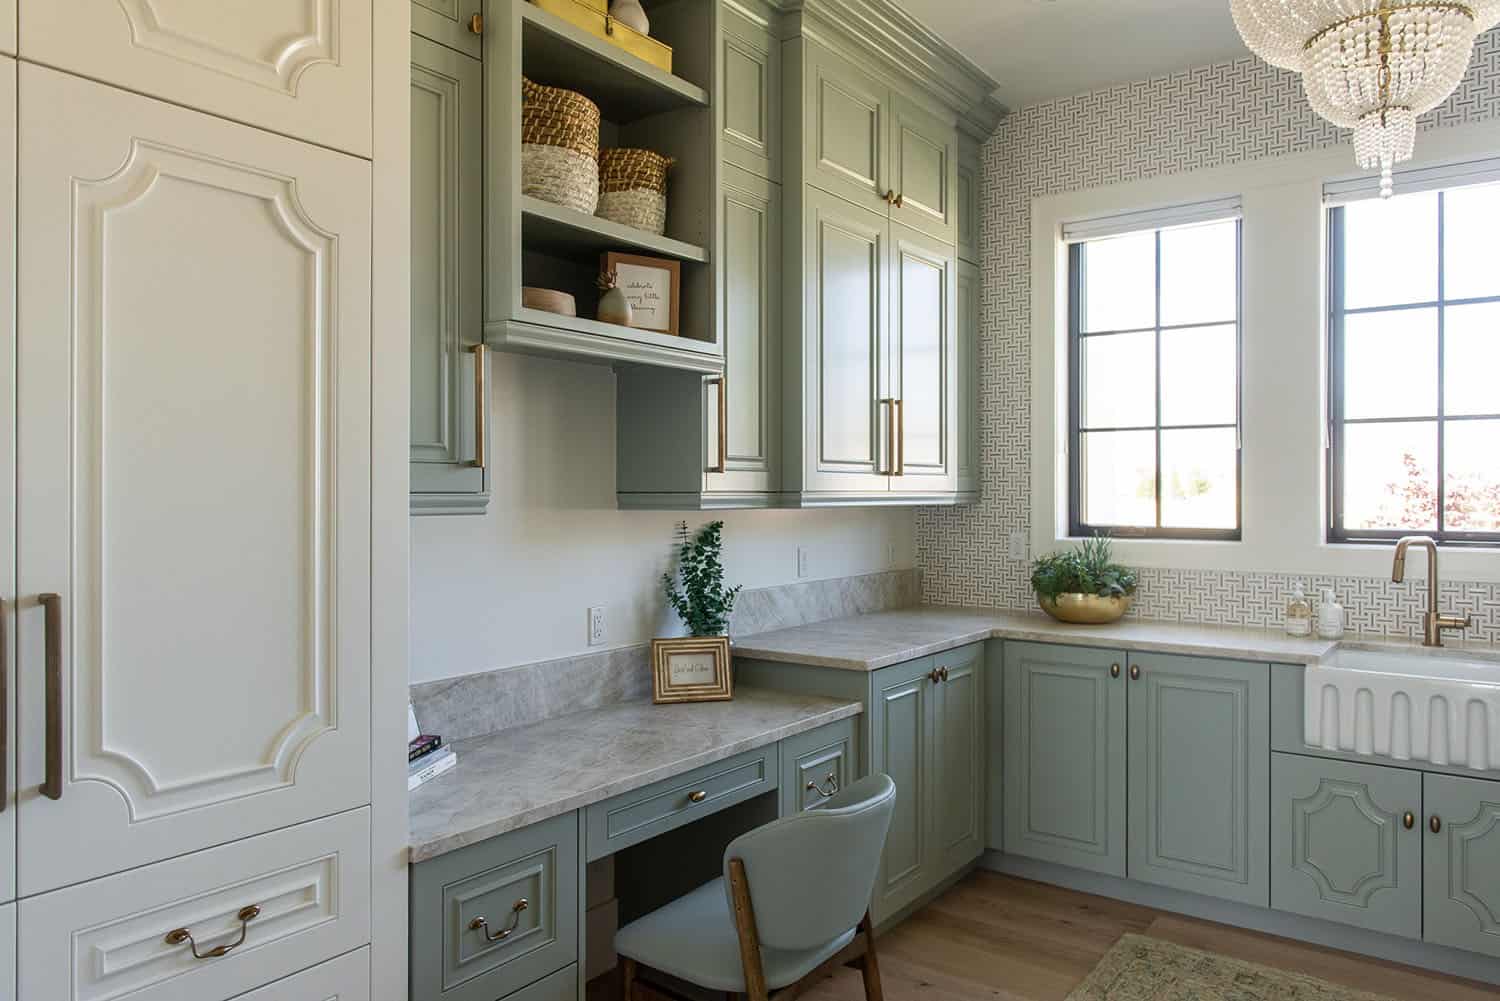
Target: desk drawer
column 816, row 764
column 108, row 938
column 344, row 979
column 519, row 943
column 635, row 816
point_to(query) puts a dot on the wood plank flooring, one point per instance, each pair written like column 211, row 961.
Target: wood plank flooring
column 998, row 938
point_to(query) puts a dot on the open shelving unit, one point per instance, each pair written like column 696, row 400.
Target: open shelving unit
column 531, row 242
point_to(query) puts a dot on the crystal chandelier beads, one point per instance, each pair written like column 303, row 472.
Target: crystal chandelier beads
column 1370, row 65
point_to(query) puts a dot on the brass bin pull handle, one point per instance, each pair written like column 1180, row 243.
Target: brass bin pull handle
column 723, row 464
column 482, row 925
column 52, row 788
column 832, row 782
column 1408, row 820
column 697, row 795
column 177, row 936
column 481, row 404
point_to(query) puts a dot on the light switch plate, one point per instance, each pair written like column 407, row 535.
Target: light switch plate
column 801, row 561
column 1017, row 546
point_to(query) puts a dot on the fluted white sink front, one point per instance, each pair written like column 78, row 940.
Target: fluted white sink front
column 1424, row 706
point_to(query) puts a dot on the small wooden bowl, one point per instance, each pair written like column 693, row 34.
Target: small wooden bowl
column 548, row 300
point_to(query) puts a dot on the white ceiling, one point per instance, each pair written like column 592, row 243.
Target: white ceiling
column 1036, row 49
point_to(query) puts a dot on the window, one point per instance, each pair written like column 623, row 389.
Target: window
column 1154, row 407
column 1414, row 367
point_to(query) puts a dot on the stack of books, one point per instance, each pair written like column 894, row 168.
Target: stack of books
column 426, row 756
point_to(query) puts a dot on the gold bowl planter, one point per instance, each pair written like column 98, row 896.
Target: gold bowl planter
column 1085, row 609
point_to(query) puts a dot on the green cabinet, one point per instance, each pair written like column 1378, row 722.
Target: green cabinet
column 448, row 476
column 1461, row 863
column 966, row 388
column 1199, row 778
column 958, row 787
column 924, row 168
column 923, row 363
column 845, row 129
column 966, row 199
column 450, row 22
column 750, row 68
column 1065, row 755
column 816, row 765
column 1345, row 843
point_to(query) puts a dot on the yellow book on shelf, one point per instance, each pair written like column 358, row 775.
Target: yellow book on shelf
column 592, row 16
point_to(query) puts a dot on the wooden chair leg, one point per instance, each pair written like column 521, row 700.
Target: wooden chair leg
column 744, row 926
column 870, row 964
column 627, row 978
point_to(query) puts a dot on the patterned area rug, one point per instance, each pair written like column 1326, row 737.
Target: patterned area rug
column 1148, row 969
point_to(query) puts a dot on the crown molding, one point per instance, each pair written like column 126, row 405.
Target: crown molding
column 906, row 48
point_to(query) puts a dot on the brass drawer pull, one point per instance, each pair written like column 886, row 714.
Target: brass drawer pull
column 832, row 782
column 697, row 795
column 1408, row 820
column 481, row 925
column 177, row 936
column 1135, row 672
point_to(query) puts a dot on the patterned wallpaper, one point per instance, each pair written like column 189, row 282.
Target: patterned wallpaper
column 1206, row 117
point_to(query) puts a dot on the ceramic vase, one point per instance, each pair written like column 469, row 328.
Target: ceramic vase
column 615, row 308
column 631, row 14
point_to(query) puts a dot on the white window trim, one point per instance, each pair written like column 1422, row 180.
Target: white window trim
column 1283, row 362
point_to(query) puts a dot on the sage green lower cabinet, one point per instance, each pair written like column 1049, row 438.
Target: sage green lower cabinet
column 817, row 764
column 526, row 881
column 1340, row 847
column 1199, row 782
column 1065, row 755
column 958, row 814
column 901, row 724
column 1461, row 863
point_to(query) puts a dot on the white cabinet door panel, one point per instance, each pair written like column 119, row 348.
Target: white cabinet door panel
column 7, row 475
column 112, row 938
column 301, row 67
column 194, row 463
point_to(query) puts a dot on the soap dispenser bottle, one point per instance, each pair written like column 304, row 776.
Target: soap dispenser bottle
column 1299, row 614
column 1330, row 616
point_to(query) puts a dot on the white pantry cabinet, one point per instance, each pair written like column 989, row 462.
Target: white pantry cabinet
column 193, row 478
column 300, row 67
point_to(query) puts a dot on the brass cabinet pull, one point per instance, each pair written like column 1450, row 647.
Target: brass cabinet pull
column 697, row 795
column 722, row 382
column 52, row 788
column 889, row 196
column 609, row 24
column 890, row 437
column 481, row 404
column 900, row 201
column 476, row 24
column 482, row 925
column 898, row 447
column 177, row 936
column 1435, row 825
column 1408, row 820
column 832, row 781
column 943, row 673
column 1135, row 672
column 934, row 677
column 1114, row 670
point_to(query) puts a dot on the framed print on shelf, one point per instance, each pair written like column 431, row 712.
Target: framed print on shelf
column 691, row 669
column 652, row 285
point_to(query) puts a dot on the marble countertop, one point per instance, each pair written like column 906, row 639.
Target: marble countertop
column 531, row 773
column 870, row 642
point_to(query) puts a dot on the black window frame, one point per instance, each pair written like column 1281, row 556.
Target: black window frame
column 1336, row 533
column 1077, row 527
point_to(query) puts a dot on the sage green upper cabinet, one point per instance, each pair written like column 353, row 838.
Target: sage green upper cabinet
column 966, row 199
column 966, row 336
column 447, row 474
column 455, row 23
column 924, row 167
column 1461, row 863
column 1340, row 845
column 845, row 129
column 1065, row 755
column 958, row 788
column 751, row 67
column 923, row 364
column 842, row 420
column 1199, row 785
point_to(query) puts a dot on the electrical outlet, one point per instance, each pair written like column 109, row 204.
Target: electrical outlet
column 1017, row 546
column 596, row 625
column 890, row 554
column 801, row 561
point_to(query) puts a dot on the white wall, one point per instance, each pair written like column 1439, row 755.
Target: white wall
column 514, row 586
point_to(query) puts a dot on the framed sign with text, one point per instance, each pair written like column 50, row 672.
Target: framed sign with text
column 691, row 669
column 651, row 285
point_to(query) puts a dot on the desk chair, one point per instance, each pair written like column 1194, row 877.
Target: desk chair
column 794, row 902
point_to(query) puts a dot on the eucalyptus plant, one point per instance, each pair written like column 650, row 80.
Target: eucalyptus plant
column 703, row 602
column 1089, row 569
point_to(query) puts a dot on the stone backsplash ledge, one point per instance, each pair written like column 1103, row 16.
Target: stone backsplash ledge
column 479, row 704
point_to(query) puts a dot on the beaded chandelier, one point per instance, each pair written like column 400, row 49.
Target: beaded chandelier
column 1369, row 65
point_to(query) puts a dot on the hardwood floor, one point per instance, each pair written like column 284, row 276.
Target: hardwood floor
column 998, row 938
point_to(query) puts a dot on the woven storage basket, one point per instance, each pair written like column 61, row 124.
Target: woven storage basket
column 559, row 146
column 633, row 188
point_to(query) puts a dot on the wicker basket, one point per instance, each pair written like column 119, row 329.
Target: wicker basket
column 633, row 188
column 559, row 146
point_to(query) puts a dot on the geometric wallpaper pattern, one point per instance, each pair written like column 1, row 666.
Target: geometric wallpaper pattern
column 1215, row 115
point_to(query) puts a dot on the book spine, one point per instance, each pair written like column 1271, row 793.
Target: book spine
column 432, row 771
column 424, row 744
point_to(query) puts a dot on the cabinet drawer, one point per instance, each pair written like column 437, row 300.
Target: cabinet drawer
column 524, row 885
column 635, row 816
column 560, row 986
column 108, row 938
column 344, row 979
column 816, row 764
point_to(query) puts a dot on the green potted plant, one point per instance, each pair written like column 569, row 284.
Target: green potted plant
column 1084, row 585
column 695, row 668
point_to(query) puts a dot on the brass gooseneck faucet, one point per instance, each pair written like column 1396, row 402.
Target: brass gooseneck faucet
column 1434, row 622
